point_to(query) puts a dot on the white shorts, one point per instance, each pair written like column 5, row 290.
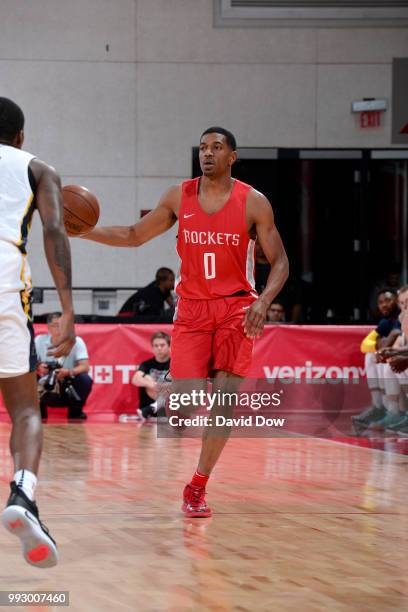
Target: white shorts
column 17, row 349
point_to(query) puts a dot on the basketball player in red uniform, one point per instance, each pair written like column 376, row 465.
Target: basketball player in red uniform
column 219, row 314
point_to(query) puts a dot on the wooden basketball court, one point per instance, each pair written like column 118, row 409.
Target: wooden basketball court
column 299, row 524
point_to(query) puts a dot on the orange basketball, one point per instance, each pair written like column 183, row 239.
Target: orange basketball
column 81, row 209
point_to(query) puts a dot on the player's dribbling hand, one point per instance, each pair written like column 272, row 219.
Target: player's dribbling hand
column 66, row 339
column 254, row 319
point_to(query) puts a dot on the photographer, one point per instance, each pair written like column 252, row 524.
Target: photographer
column 63, row 382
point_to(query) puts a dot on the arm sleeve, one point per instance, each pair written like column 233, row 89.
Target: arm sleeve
column 368, row 345
column 80, row 350
column 40, row 347
column 383, row 328
column 144, row 367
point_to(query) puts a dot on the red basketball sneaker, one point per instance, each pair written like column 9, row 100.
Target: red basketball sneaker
column 194, row 505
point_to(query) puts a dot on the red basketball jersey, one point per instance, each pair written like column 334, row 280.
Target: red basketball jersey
column 217, row 256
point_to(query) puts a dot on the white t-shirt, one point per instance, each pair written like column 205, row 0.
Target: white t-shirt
column 43, row 343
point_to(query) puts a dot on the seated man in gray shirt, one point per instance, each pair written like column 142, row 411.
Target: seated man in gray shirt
column 62, row 382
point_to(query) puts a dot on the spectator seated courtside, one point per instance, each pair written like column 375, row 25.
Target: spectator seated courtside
column 395, row 363
column 385, row 409
column 275, row 313
column 150, row 377
column 153, row 303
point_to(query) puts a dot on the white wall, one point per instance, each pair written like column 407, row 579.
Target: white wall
column 122, row 119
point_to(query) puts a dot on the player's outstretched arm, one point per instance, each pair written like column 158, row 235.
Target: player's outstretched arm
column 56, row 246
column 261, row 216
column 156, row 222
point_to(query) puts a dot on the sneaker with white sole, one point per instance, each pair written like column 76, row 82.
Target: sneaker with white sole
column 20, row 517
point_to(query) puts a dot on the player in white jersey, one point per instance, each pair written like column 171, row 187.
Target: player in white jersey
column 26, row 183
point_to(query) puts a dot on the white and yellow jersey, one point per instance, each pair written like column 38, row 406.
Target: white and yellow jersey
column 16, row 196
column 16, row 210
column 17, row 352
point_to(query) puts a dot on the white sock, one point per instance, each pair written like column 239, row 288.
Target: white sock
column 27, row 481
column 376, row 397
column 403, row 405
column 392, row 406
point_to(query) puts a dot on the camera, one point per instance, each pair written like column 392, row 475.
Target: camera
column 70, row 390
column 51, row 378
column 66, row 384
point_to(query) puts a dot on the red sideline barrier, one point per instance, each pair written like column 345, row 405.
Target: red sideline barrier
column 283, row 351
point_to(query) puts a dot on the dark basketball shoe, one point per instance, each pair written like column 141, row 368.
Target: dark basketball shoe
column 362, row 421
column 194, row 505
column 389, row 420
column 21, row 518
column 369, row 416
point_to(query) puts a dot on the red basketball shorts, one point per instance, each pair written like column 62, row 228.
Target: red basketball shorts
column 208, row 335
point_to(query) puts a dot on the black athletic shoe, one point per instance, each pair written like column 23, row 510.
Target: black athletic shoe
column 77, row 416
column 361, row 421
column 149, row 411
column 21, row 518
column 369, row 416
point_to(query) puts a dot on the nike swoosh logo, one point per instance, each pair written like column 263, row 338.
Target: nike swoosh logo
column 245, row 307
column 187, row 216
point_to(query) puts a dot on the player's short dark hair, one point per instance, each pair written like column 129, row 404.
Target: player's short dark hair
column 52, row 316
column 162, row 336
column 229, row 136
column 386, row 290
column 11, row 119
column 163, row 274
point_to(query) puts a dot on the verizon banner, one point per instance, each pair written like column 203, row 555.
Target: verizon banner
column 290, row 358
column 309, row 352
